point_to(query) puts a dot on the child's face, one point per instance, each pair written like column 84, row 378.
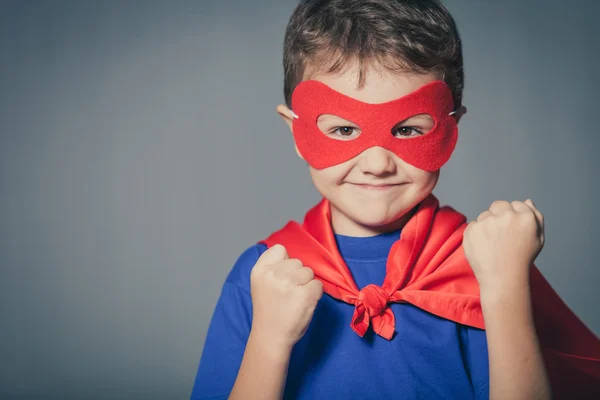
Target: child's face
column 372, row 192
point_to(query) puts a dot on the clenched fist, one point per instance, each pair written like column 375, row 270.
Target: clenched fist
column 284, row 297
column 503, row 243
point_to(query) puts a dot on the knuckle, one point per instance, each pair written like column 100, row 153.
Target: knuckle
column 281, row 247
column 309, row 272
column 259, row 269
column 527, row 216
column 507, row 215
column 279, row 250
column 271, row 273
column 303, row 294
column 318, row 287
column 277, row 247
column 484, row 215
column 284, row 278
column 499, row 203
column 287, row 278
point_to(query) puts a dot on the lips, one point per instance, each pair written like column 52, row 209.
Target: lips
column 377, row 186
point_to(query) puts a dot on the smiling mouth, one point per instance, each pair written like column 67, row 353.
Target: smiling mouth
column 378, row 186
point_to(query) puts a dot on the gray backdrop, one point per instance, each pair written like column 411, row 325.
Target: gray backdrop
column 140, row 154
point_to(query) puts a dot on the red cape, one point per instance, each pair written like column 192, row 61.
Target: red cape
column 428, row 269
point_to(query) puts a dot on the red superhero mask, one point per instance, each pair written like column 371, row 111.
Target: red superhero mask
column 429, row 151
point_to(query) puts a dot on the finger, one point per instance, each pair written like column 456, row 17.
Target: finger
column 529, row 202
column 272, row 255
column 301, row 276
column 537, row 212
column 500, row 206
column 526, row 208
column 484, row 215
column 521, row 207
column 540, row 218
column 530, row 207
column 284, row 270
column 314, row 288
column 289, row 265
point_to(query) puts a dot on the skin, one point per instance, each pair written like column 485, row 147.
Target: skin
column 349, row 185
column 500, row 246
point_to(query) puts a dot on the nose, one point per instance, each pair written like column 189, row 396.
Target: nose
column 377, row 161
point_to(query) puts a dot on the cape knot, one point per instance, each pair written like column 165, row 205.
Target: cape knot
column 374, row 299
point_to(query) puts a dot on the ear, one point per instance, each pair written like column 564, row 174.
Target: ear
column 459, row 113
column 288, row 117
column 286, row 114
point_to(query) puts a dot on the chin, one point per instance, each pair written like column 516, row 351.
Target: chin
column 376, row 216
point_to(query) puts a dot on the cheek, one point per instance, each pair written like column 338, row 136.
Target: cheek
column 419, row 177
column 427, row 180
column 329, row 177
column 319, row 179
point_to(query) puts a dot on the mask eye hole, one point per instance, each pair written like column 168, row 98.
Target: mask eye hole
column 417, row 125
column 337, row 128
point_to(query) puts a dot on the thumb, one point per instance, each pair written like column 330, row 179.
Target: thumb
column 273, row 255
column 539, row 218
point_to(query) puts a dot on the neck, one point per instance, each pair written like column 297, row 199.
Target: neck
column 344, row 225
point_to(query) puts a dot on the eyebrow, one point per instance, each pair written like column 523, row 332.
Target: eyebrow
column 425, row 117
column 422, row 115
column 325, row 117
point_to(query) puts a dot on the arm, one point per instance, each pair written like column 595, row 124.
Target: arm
column 284, row 297
column 500, row 246
column 515, row 359
column 263, row 371
column 228, row 332
column 251, row 335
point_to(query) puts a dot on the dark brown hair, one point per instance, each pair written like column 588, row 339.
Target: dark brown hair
column 409, row 35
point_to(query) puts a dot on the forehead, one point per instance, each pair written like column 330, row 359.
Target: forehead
column 380, row 85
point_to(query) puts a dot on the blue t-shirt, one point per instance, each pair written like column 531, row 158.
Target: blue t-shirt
column 428, row 358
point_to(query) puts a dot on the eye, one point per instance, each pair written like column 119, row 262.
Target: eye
column 338, row 128
column 344, row 132
column 417, row 125
column 406, row 131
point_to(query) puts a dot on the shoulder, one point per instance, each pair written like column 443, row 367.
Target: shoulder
column 240, row 273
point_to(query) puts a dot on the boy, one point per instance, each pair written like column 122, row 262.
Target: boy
column 373, row 96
